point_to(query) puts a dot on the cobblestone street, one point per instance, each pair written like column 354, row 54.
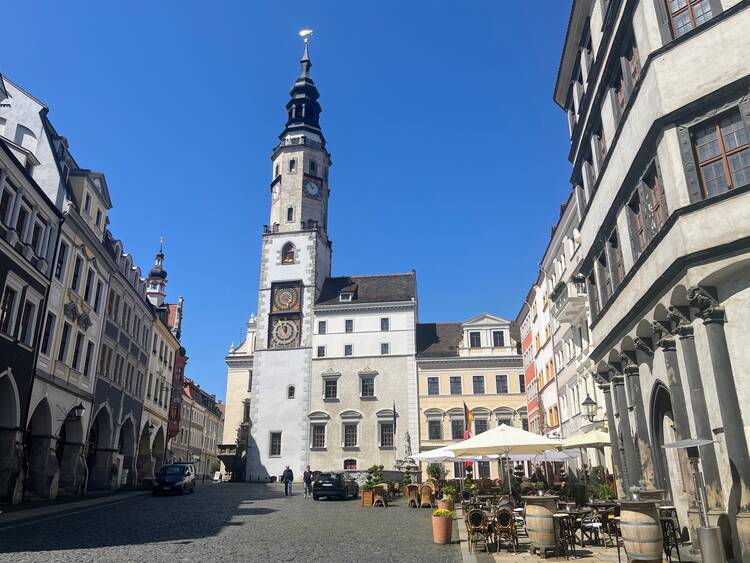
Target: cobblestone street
column 227, row 522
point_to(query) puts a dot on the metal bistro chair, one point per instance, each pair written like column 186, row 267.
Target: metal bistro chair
column 505, row 527
column 671, row 538
column 591, row 529
column 478, row 528
column 566, row 534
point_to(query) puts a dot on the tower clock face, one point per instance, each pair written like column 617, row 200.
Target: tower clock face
column 286, row 299
column 284, row 332
column 313, row 188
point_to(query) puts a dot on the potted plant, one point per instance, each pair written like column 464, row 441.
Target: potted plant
column 407, row 475
column 539, row 486
column 635, row 491
column 434, row 471
column 449, row 497
column 603, row 492
column 442, row 526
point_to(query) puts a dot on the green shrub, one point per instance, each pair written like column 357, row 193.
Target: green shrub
column 449, row 491
column 434, row 470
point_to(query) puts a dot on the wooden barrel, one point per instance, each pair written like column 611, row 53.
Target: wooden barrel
column 539, row 521
column 641, row 530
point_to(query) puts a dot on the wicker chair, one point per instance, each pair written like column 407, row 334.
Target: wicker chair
column 380, row 495
column 478, row 528
column 396, row 488
column 412, row 495
column 426, row 496
column 505, row 527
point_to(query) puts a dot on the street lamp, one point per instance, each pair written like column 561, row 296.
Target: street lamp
column 589, row 407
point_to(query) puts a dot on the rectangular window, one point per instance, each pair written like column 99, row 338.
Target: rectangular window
column 36, row 236
column 478, row 384
column 89, row 354
column 654, row 193
column 75, row 280
column 501, row 383
column 483, row 469
column 347, row 349
column 385, row 348
column 434, row 429
column 321, row 352
column 604, row 276
column 6, row 197
column 97, row 296
column 349, row 325
column 457, row 429
column 87, row 203
column 292, row 166
column 619, row 268
column 385, row 324
column 89, row 285
column 525, row 424
column 456, row 385
column 7, row 309
column 49, row 331
column 481, row 425
column 475, row 340
column 274, row 447
column 723, row 155
column 386, row 434
column 23, row 215
column 350, row 435
column 685, row 15
column 62, row 351
column 367, row 387
column 459, row 471
column 330, row 389
column 62, row 256
column 322, row 327
column 98, row 217
column 521, row 383
column 290, row 214
column 433, row 386
column 498, row 338
column 318, row 436
column 28, row 321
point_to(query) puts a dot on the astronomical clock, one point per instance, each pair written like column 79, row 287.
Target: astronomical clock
column 285, row 323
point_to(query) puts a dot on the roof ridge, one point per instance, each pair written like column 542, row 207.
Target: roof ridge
column 373, row 275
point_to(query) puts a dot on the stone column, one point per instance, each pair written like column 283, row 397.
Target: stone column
column 714, row 493
column 714, row 318
column 630, row 461
column 642, row 440
column 607, row 392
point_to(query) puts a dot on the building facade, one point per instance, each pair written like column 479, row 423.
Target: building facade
column 477, row 364
column 201, row 430
column 657, row 97
column 296, row 291
column 27, row 243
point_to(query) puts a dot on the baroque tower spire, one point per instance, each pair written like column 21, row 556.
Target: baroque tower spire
column 303, row 109
column 156, row 289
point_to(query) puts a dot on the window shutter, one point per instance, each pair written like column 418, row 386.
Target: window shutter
column 647, row 205
column 660, row 179
column 688, row 163
column 745, row 112
column 665, row 30
column 632, row 233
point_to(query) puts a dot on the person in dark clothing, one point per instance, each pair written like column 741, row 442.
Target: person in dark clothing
column 538, row 476
column 307, row 478
column 287, row 477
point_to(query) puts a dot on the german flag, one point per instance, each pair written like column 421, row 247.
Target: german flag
column 469, row 419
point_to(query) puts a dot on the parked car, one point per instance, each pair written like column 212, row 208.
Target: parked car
column 335, row 484
column 175, row 478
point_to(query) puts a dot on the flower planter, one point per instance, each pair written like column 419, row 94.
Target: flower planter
column 368, row 497
column 445, row 504
column 442, row 529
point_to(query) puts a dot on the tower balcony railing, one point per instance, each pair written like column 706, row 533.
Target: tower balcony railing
column 569, row 301
column 309, row 225
column 299, row 140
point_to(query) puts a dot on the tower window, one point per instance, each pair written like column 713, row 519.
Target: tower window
column 276, row 171
column 290, row 392
column 287, row 254
column 293, row 166
column 313, row 166
column 290, row 214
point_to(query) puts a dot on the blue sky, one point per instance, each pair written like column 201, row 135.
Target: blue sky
column 449, row 155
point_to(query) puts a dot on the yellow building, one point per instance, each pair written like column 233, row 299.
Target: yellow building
column 477, row 363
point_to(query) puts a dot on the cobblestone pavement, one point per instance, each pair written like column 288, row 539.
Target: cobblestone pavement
column 224, row 522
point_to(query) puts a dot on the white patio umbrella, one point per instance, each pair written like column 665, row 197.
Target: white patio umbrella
column 591, row 439
column 549, row 455
column 505, row 440
column 446, row 454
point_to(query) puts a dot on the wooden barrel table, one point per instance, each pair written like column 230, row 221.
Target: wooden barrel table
column 641, row 530
column 539, row 522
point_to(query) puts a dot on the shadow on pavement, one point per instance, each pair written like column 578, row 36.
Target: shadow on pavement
column 139, row 520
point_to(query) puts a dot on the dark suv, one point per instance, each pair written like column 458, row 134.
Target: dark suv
column 175, row 478
column 335, row 484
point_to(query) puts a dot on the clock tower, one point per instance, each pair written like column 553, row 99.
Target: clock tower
column 295, row 261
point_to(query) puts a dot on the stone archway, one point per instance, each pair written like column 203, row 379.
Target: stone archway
column 12, row 472
column 126, row 449
column 70, row 455
column 157, row 449
column 666, row 463
column 43, row 470
column 145, row 462
column 102, row 472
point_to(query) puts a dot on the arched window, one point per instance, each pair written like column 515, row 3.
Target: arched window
column 287, row 254
column 290, row 392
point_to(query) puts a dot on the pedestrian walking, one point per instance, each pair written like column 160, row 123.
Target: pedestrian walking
column 307, row 477
column 287, row 477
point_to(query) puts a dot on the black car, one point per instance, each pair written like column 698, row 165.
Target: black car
column 334, row 484
column 175, row 478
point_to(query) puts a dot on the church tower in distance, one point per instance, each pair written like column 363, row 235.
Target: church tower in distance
column 295, row 261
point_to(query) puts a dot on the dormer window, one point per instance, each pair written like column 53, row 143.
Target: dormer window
column 98, row 218
column 87, row 204
column 345, row 296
